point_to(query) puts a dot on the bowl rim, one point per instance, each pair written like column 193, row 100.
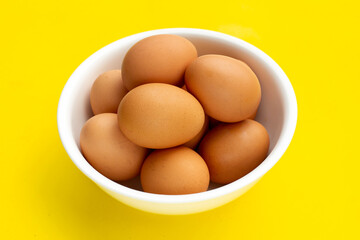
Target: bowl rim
column 289, row 124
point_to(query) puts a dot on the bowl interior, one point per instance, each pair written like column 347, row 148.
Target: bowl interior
column 271, row 112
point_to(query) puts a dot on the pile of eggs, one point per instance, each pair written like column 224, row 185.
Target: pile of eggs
column 176, row 119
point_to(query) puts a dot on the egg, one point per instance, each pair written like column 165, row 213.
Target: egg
column 157, row 59
column 226, row 87
column 108, row 150
column 233, row 150
column 107, row 92
column 193, row 143
column 158, row 115
column 178, row 170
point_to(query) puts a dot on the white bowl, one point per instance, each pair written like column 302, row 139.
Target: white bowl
column 277, row 112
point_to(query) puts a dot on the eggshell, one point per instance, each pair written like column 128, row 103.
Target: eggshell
column 177, row 170
column 159, row 115
column 193, row 143
column 233, row 150
column 108, row 150
column 157, row 59
column 226, row 87
column 107, row 92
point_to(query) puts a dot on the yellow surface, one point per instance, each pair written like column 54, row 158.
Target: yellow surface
column 312, row 193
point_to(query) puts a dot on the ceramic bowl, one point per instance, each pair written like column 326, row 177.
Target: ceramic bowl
column 277, row 112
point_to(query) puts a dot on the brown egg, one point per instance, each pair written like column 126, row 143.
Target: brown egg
column 107, row 92
column 178, row 170
column 233, row 150
column 158, row 115
column 157, row 59
column 108, row 150
column 226, row 87
column 193, row 143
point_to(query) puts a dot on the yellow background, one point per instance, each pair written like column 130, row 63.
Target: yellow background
column 312, row 193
